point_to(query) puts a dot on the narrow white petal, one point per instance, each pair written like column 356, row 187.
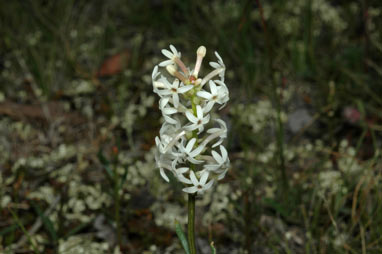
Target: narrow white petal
column 208, row 185
column 155, row 72
column 164, row 92
column 208, row 107
column 199, row 112
column 163, row 102
column 204, row 177
column 217, row 157
column 194, row 161
column 173, row 49
column 163, row 175
column 213, row 87
column 196, row 151
column 223, row 152
column 182, row 170
column 165, row 63
column 218, row 56
column 183, row 179
column 169, row 119
column 191, row 117
column 185, row 89
column 175, row 84
column 191, row 127
column 204, row 94
column 169, row 111
column 192, row 189
column 194, row 179
column 190, row 145
column 217, row 143
column 214, row 65
column 175, row 99
column 167, row 53
column 206, row 119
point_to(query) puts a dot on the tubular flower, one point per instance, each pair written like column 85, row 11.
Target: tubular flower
column 189, row 145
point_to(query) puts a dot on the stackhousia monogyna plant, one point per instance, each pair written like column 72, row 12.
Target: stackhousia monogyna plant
column 190, row 142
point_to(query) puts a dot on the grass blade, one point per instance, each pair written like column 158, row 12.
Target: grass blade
column 46, row 222
column 182, row 237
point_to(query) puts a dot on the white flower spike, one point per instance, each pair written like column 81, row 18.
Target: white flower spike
column 188, row 140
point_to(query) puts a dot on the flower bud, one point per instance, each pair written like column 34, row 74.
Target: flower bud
column 171, row 69
column 201, row 51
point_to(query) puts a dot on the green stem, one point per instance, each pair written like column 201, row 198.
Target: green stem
column 191, row 223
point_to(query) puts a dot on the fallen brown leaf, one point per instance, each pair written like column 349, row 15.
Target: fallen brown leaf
column 114, row 64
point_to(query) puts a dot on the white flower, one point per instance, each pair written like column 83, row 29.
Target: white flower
column 170, row 55
column 192, row 153
column 174, row 89
column 218, row 66
column 199, row 185
column 198, row 121
column 179, row 175
column 219, row 94
column 220, row 160
column 221, row 133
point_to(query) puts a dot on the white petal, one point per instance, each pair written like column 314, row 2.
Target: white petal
column 164, row 92
column 206, row 119
column 175, row 99
column 196, row 151
column 183, row 179
column 208, row 185
column 204, row 94
column 208, row 107
column 222, row 175
column 163, row 175
column 194, row 161
column 169, row 119
column 163, row 102
column 173, row 49
column 204, row 178
column 169, row 111
column 191, row 127
column 155, row 72
column 212, row 130
column 165, row 63
column 214, row 65
column 217, row 157
column 218, row 56
column 167, row 53
column 217, row 143
column 190, row 145
column 182, row 170
column 224, row 152
column 212, row 87
column 192, row 189
column 185, row 89
column 194, row 179
column 199, row 112
column 191, row 117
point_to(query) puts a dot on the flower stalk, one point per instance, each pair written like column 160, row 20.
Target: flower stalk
column 191, row 223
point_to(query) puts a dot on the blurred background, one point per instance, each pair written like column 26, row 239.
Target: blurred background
column 78, row 120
